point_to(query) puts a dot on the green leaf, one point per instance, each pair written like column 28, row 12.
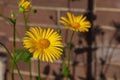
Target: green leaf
column 22, row 55
column 70, row 45
column 65, row 70
column 12, row 21
column 59, row 31
column 21, row 9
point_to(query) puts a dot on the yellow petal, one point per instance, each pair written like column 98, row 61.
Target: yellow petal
column 70, row 17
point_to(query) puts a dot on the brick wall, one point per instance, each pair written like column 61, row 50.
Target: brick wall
column 106, row 12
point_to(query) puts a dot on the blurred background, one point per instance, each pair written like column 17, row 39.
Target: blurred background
column 105, row 38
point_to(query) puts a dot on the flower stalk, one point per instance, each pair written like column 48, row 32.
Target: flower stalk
column 39, row 75
column 69, row 50
column 25, row 21
column 30, row 69
column 14, row 47
column 13, row 21
column 27, row 28
column 12, row 60
column 76, row 24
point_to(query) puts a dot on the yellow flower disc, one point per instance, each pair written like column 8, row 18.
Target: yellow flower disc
column 75, row 23
column 24, row 6
column 45, row 44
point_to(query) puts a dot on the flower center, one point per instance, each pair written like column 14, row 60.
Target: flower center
column 75, row 25
column 44, row 43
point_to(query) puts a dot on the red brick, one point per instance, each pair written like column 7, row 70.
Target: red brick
column 1, row 7
column 12, row 8
column 79, row 71
column 9, row 44
column 52, row 3
column 43, row 17
column 3, row 38
column 101, row 53
column 53, row 66
column 76, row 13
column 11, row 2
column 108, row 3
column 79, row 57
column 17, row 77
column 106, row 38
column 114, row 70
column 5, row 28
column 61, row 3
column 106, row 18
column 21, row 64
column 78, row 4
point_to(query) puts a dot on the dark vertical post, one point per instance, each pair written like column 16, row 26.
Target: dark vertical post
column 89, row 75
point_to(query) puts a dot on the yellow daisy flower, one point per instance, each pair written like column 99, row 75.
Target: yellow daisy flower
column 45, row 44
column 24, row 6
column 76, row 23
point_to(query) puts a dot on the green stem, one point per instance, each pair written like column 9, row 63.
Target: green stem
column 26, row 28
column 69, row 49
column 14, row 36
column 12, row 59
column 30, row 70
column 39, row 77
column 14, row 47
column 12, row 75
column 25, row 22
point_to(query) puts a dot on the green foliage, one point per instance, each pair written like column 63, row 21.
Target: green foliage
column 22, row 55
column 21, row 9
column 59, row 31
column 13, row 21
column 70, row 45
column 12, row 18
column 65, row 70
